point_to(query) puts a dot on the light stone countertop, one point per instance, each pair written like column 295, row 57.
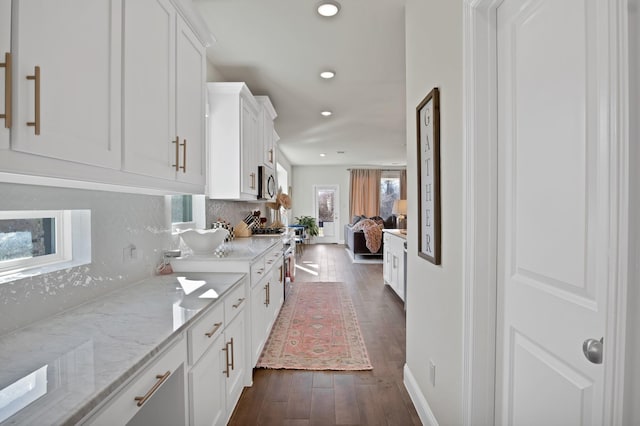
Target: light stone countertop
column 245, row 249
column 68, row 364
column 395, row 232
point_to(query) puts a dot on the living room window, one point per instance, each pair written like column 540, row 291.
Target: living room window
column 389, row 191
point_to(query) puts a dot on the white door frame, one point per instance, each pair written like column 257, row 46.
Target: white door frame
column 480, row 210
column 336, row 210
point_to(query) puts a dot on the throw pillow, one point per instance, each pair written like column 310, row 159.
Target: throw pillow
column 356, row 219
column 378, row 220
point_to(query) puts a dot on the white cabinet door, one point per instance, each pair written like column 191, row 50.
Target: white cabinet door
column 190, row 102
column 5, row 48
column 73, row 47
column 207, row 387
column 266, row 137
column 235, row 357
column 232, row 137
column 249, row 135
column 258, row 319
column 150, row 146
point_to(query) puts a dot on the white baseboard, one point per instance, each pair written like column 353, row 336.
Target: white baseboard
column 419, row 401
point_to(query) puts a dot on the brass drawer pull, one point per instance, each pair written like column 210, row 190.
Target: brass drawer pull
column 161, row 379
column 184, row 157
column 271, row 155
column 238, row 303
column 266, row 295
column 216, row 326
column 226, row 353
column 177, row 142
column 36, row 78
column 7, row 90
column 233, row 355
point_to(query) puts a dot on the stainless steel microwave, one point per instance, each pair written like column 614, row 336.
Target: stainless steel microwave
column 266, row 183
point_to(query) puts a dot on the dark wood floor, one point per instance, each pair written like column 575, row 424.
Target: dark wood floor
column 377, row 397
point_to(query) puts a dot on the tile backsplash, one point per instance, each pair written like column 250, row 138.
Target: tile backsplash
column 118, row 220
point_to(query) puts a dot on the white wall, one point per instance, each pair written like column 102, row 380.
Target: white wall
column 304, row 177
column 632, row 396
column 434, row 293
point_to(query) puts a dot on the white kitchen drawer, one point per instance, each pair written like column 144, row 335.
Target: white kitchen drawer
column 234, row 303
column 257, row 271
column 205, row 332
column 123, row 406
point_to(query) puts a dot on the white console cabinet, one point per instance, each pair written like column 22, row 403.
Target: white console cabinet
column 393, row 265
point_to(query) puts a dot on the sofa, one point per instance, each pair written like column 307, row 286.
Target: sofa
column 355, row 241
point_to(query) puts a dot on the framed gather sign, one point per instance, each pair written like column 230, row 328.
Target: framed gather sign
column 428, row 121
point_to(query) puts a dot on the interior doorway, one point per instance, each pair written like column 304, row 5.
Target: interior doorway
column 327, row 213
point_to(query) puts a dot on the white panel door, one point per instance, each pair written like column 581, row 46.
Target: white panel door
column 249, row 142
column 5, row 47
column 327, row 208
column 149, row 88
column 190, row 101
column 76, row 46
column 553, row 208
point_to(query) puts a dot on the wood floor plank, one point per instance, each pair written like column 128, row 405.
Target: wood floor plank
column 322, row 407
column 345, row 395
column 322, row 379
column 299, row 403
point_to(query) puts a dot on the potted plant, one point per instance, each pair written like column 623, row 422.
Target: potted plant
column 310, row 224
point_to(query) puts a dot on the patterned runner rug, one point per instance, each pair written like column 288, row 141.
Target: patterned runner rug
column 317, row 329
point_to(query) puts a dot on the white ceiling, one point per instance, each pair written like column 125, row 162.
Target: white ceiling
column 279, row 47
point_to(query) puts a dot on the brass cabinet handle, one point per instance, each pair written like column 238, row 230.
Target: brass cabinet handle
column 177, row 142
column 271, row 155
column 226, row 354
column 184, row 157
column 161, row 378
column 216, row 326
column 266, row 295
column 253, row 181
column 36, row 78
column 7, row 90
column 281, row 271
column 238, row 303
column 233, row 355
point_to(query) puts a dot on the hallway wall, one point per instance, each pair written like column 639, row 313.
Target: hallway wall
column 434, row 293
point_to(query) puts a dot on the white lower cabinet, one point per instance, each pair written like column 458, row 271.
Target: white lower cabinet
column 207, row 387
column 216, row 349
column 155, row 396
column 393, row 266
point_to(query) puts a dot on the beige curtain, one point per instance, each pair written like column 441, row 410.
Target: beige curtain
column 365, row 192
column 403, row 184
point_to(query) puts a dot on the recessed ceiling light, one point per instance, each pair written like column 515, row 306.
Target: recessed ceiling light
column 327, row 74
column 326, row 113
column 323, row 155
column 328, row 8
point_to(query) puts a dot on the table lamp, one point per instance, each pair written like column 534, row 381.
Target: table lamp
column 400, row 210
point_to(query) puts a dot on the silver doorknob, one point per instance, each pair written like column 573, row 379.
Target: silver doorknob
column 592, row 349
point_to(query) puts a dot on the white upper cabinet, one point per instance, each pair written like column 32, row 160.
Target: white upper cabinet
column 67, row 79
column 266, row 137
column 233, row 142
column 190, row 103
column 5, row 72
column 164, row 74
column 104, row 91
